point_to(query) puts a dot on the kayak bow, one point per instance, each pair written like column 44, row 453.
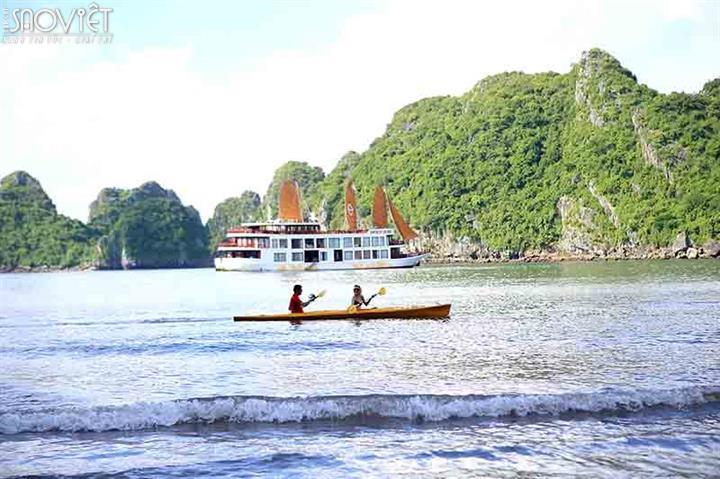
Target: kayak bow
column 408, row 312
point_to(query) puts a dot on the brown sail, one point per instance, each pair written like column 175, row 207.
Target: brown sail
column 405, row 231
column 350, row 207
column 380, row 219
column 289, row 209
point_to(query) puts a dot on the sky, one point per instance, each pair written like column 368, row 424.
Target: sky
column 209, row 98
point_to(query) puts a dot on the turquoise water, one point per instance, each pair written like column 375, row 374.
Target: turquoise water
column 581, row 369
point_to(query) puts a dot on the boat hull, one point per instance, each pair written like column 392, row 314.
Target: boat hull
column 244, row 264
column 411, row 312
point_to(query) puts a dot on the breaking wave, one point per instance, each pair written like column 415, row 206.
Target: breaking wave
column 422, row 407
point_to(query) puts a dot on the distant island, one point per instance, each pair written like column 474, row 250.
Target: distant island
column 587, row 164
column 145, row 227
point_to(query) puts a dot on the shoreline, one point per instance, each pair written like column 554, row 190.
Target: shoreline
column 554, row 260
column 82, row 269
column 554, row 257
column 547, row 258
column 453, row 252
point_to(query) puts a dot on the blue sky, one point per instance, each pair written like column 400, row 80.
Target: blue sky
column 228, row 34
column 208, row 98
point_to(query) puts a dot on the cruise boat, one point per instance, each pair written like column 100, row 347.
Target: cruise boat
column 291, row 244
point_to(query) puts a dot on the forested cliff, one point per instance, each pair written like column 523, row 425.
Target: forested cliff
column 585, row 163
column 582, row 162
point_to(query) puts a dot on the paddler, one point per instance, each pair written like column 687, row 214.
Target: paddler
column 297, row 304
column 358, row 300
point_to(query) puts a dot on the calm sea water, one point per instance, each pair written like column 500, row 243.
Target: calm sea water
column 592, row 369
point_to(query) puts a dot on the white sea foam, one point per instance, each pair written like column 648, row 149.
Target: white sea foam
column 255, row 409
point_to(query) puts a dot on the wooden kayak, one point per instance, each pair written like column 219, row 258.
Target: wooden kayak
column 407, row 312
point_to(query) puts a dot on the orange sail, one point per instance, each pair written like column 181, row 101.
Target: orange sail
column 380, row 219
column 350, row 207
column 405, row 231
column 289, row 209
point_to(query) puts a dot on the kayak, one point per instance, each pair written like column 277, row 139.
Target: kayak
column 407, row 312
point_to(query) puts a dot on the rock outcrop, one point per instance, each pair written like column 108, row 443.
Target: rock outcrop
column 606, row 205
column 712, row 249
column 681, row 243
column 649, row 153
column 587, row 68
column 33, row 236
column 147, row 227
column 579, row 231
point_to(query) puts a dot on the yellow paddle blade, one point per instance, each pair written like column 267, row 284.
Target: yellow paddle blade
column 382, row 292
column 320, row 294
column 352, row 308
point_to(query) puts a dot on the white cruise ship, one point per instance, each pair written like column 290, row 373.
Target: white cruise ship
column 290, row 244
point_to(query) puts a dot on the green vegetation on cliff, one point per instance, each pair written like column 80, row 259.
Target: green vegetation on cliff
column 33, row 234
column 233, row 212
column 329, row 194
column 585, row 160
column 147, row 227
column 307, row 177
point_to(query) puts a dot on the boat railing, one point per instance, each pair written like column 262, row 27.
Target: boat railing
column 293, row 232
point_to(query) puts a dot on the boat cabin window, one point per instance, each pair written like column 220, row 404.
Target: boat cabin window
column 375, row 254
column 366, row 254
column 251, row 254
column 301, row 228
column 323, row 255
column 320, row 243
column 252, row 242
column 279, row 243
column 358, row 254
column 298, row 256
column 296, row 243
column 309, row 243
column 357, row 242
column 366, row 241
column 334, row 242
column 280, row 257
column 383, row 253
column 348, row 255
column 347, row 242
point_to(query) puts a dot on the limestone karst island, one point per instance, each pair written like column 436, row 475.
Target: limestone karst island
column 360, row 239
column 583, row 164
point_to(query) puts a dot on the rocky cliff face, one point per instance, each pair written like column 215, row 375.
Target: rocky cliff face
column 147, row 227
column 33, row 236
column 585, row 163
column 20, row 187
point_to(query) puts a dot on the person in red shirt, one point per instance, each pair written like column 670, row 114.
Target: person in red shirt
column 297, row 304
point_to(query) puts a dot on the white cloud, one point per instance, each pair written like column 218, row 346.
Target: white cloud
column 79, row 123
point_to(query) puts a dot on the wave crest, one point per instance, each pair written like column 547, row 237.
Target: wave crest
column 260, row 409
